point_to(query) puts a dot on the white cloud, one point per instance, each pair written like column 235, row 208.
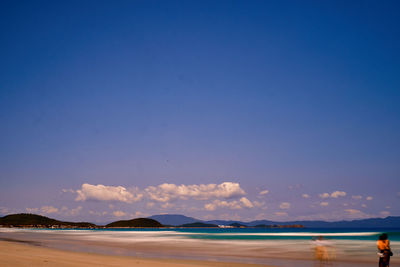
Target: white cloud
column 106, row 193
column 335, row 194
column 284, row 205
column 166, row 192
column 357, row 197
column 119, row 213
column 369, row 198
column 48, row 209
column 324, row 204
column 281, row 213
column 233, row 205
column 246, row 203
column 264, row 192
column 352, row 211
column 305, row 196
column 324, row 195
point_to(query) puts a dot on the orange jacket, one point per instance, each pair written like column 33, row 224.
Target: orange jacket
column 383, row 244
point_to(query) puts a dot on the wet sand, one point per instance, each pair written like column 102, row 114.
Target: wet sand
column 18, row 254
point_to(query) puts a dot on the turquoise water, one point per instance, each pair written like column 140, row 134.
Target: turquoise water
column 370, row 234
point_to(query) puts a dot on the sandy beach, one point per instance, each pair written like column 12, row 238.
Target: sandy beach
column 30, row 247
column 25, row 254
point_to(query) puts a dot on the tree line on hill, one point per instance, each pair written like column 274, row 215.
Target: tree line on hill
column 39, row 221
column 157, row 221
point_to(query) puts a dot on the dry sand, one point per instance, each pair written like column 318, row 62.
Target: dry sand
column 20, row 254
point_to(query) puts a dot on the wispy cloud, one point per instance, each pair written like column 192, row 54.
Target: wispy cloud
column 48, row 209
column 285, row 205
column 119, row 213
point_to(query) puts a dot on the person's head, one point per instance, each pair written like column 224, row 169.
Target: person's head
column 383, row 237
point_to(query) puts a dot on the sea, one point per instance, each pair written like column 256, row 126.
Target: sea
column 277, row 247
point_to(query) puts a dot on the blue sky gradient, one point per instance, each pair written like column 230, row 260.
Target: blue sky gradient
column 291, row 97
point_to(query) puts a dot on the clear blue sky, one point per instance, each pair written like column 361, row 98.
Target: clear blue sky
column 297, row 98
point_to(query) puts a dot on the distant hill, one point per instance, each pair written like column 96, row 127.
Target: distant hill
column 173, row 219
column 199, row 225
column 139, row 222
column 238, row 225
column 33, row 220
column 227, row 223
column 388, row 222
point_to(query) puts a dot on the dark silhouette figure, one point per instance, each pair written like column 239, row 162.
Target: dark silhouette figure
column 384, row 250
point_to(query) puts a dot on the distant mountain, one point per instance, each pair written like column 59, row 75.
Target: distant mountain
column 139, row 222
column 199, row 225
column 388, row 222
column 33, row 220
column 173, row 219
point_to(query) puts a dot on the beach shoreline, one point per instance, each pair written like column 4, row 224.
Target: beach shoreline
column 161, row 247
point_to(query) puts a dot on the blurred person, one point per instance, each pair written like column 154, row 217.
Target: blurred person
column 323, row 250
column 385, row 252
